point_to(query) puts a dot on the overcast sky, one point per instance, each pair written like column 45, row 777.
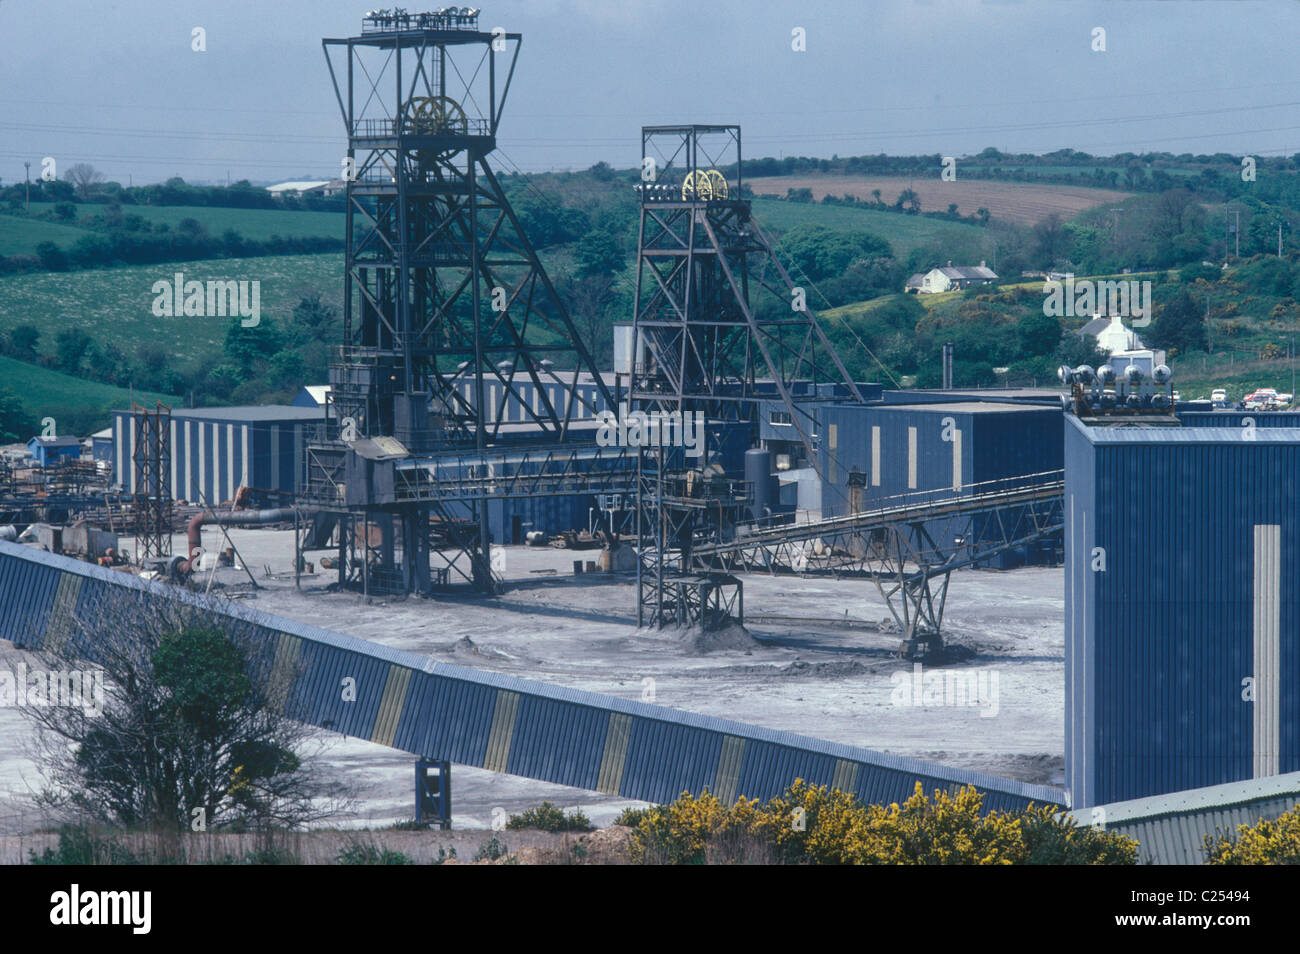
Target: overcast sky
column 116, row 84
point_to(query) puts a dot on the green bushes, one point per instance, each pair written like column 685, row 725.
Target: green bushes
column 372, row 855
column 546, row 817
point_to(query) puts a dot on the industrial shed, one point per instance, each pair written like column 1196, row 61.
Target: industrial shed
column 939, row 447
column 217, row 450
column 1182, row 630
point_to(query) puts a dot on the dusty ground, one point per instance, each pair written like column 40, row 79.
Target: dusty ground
column 1023, row 202
column 820, row 679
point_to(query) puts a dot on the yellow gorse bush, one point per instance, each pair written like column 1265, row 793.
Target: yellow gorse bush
column 1267, row 842
column 815, row 824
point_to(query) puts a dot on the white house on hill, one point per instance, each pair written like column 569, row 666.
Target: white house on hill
column 950, row 277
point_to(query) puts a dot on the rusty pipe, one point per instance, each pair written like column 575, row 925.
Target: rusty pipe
column 244, row 518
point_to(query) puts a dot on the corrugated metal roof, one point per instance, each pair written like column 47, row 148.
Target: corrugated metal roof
column 1171, row 829
column 500, row 722
column 252, row 413
column 971, row 407
column 1233, row 434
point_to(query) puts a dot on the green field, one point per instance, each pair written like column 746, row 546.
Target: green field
column 76, row 404
column 256, row 224
column 117, row 304
column 962, row 241
column 20, row 235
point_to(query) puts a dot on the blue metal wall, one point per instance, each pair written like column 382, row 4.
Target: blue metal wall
column 212, row 457
column 548, row 514
column 1198, row 593
column 1235, row 418
column 436, row 710
column 990, row 443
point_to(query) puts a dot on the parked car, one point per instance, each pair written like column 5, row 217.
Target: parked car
column 1262, row 399
column 1219, row 394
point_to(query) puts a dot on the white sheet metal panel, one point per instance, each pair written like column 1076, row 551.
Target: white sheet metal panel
column 1267, row 633
column 228, row 492
column 956, row 459
column 911, row 458
column 875, row 455
column 275, row 452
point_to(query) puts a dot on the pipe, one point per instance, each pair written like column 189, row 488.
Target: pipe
column 245, row 518
column 9, row 533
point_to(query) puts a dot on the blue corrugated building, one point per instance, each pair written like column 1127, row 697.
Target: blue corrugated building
column 217, row 450
column 1182, row 626
column 48, row 451
column 943, row 448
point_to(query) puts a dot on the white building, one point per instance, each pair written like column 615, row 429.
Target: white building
column 950, row 277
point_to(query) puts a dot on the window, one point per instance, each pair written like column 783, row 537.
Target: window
column 779, row 417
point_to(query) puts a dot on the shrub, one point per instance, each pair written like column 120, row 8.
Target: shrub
column 1267, row 842
column 372, row 855
column 631, row 817
column 810, row 824
column 546, row 817
column 491, row 850
column 81, row 846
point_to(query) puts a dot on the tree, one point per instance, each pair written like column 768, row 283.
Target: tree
column 598, row 254
column 22, row 342
column 52, row 257
column 173, row 726
column 1039, row 334
column 908, row 201
column 818, row 252
column 85, row 179
column 1049, row 240
column 1179, row 325
column 312, row 313
column 16, row 422
column 71, row 345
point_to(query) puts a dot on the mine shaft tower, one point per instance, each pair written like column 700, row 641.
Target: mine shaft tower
column 445, row 299
column 719, row 327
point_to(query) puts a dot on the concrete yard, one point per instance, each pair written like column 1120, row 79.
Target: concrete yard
column 823, row 680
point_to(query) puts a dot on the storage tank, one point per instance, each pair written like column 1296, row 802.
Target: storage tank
column 758, row 474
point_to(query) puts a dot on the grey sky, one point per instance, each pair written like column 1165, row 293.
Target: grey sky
column 116, row 83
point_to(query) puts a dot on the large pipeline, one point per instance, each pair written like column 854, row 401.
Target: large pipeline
column 243, row 518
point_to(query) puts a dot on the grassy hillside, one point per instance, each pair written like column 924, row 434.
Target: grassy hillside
column 965, row 242
column 257, row 224
column 78, row 406
column 20, row 235
column 117, row 303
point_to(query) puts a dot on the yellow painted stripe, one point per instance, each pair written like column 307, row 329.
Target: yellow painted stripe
column 728, row 777
column 846, row 776
column 502, row 732
column 62, row 615
column 288, row 653
column 617, row 737
column 390, row 705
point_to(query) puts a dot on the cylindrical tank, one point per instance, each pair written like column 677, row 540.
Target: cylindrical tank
column 758, row 474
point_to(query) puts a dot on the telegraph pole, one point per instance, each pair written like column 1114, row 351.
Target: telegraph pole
column 28, row 167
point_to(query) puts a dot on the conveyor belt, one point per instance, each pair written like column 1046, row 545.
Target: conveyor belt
column 531, row 729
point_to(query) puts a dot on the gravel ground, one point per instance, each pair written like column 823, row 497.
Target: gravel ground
column 830, row 680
